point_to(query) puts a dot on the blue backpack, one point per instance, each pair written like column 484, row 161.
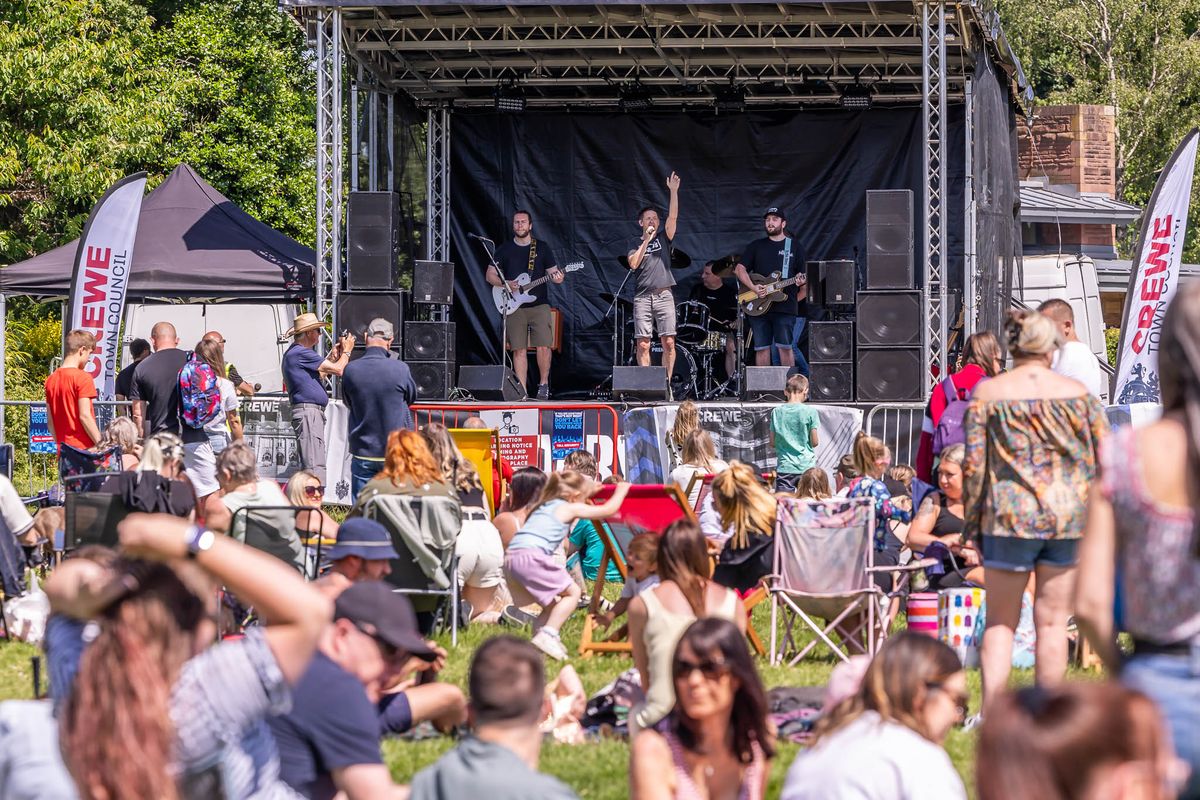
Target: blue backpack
column 199, row 393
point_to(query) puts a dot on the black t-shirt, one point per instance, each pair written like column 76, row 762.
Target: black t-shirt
column 149, row 492
column 332, row 725
column 124, row 382
column 766, row 258
column 514, row 260
column 156, row 381
column 721, row 302
column 654, row 272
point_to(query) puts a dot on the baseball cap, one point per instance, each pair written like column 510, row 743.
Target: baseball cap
column 775, row 211
column 364, row 538
column 385, row 615
column 381, row 328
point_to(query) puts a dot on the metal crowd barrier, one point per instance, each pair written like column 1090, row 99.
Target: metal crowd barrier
column 898, row 425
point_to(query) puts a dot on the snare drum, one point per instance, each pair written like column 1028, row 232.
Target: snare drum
column 691, row 322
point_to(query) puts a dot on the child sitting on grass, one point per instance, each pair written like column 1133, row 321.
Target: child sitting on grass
column 643, row 574
column 529, row 563
column 794, row 435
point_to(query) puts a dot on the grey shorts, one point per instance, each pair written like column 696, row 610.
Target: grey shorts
column 654, row 310
column 530, row 326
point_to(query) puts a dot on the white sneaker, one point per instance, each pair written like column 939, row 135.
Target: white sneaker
column 549, row 644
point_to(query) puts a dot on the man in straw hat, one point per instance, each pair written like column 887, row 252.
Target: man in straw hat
column 303, row 369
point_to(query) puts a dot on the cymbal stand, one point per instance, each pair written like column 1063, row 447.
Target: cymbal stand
column 740, row 366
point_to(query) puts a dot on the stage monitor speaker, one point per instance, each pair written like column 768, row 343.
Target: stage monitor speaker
column 429, row 341
column 639, row 383
column 831, row 382
column 490, row 382
column 890, row 374
column 432, row 378
column 830, row 342
column 838, row 283
column 372, row 236
column 890, row 239
column 355, row 310
column 765, row 383
column 889, row 319
column 433, row 282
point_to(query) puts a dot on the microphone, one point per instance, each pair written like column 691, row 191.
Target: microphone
column 474, row 235
column 651, row 230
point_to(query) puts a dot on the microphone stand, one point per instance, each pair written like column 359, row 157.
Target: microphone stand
column 490, row 248
column 617, row 317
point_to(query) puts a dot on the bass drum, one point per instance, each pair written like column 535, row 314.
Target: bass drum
column 683, row 379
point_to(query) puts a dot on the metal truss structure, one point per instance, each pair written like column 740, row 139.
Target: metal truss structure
column 782, row 54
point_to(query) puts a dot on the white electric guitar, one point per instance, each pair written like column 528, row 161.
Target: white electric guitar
column 509, row 301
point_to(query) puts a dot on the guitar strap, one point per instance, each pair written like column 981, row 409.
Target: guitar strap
column 787, row 256
column 532, row 253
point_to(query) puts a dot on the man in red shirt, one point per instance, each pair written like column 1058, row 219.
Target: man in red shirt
column 69, row 395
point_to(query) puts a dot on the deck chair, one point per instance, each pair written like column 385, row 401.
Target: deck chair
column 698, row 488
column 85, row 471
column 824, row 563
column 272, row 529
column 92, row 518
column 424, row 531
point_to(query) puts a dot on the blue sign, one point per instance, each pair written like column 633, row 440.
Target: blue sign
column 567, row 434
column 40, row 440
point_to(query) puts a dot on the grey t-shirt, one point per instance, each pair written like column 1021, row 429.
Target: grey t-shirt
column 654, row 274
column 482, row 769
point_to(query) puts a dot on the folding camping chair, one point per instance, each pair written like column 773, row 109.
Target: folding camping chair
column 85, row 471
column 424, row 531
column 273, row 530
column 824, row 568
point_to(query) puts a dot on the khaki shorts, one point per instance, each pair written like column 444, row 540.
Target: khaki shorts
column 530, row 326
column 654, row 310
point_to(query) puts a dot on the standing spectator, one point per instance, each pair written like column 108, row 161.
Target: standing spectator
column 1142, row 517
column 69, row 394
column 716, row 742
column 794, row 434
column 227, row 426
column 981, row 359
column 378, row 391
column 871, row 460
column 885, row 741
column 303, row 369
column 155, row 387
column 687, row 419
column 1032, row 438
column 138, row 350
column 1074, row 359
column 240, row 385
column 329, row 741
column 218, row 431
column 499, row 761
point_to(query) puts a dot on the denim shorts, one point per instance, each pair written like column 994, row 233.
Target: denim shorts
column 773, row 328
column 1023, row 555
column 1173, row 681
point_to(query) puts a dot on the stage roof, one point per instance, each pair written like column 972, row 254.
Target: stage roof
column 589, row 54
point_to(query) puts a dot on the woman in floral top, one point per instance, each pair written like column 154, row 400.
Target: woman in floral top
column 871, row 459
column 1032, row 438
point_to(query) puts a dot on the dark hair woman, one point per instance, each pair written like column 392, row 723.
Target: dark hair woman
column 523, row 493
column 716, row 742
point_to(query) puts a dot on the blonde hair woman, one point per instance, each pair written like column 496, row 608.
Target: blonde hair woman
column 687, row 419
column 871, row 458
column 747, row 510
column 122, row 432
column 699, row 458
column 158, row 484
column 304, row 490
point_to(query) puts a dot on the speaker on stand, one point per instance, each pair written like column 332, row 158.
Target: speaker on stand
column 890, row 239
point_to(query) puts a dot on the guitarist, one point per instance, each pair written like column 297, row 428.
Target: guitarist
column 531, row 324
column 777, row 252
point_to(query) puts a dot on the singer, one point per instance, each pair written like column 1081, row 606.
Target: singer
column 654, row 303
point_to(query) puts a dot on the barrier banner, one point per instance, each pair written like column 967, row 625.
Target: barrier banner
column 267, row 422
column 1153, row 281
column 101, row 279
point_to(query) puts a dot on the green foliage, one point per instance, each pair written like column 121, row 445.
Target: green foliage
column 1112, row 340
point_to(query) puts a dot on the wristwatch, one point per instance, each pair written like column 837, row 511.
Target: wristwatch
column 199, row 540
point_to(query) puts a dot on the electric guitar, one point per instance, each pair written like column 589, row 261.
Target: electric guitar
column 757, row 306
column 509, row 301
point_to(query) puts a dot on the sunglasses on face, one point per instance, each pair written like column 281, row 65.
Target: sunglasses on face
column 314, row 491
column 961, row 699
column 711, row 668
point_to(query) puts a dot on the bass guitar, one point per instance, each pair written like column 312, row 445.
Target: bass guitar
column 757, row 306
column 509, row 301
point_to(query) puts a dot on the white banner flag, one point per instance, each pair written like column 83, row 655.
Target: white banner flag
column 1154, row 277
column 101, row 278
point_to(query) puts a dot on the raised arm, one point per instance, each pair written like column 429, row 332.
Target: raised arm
column 587, row 511
column 672, row 207
column 336, row 363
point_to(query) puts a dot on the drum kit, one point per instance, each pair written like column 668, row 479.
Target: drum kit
column 699, row 339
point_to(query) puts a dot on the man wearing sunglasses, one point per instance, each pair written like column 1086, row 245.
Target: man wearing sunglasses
column 329, row 741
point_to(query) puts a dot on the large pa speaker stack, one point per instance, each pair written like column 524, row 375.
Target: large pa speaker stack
column 372, row 238
column 831, row 362
column 355, row 310
column 429, row 352
column 889, row 311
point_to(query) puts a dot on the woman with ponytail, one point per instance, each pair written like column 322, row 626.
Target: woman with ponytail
column 1032, row 439
column 659, row 616
column 1142, row 517
column 871, row 459
column 747, row 512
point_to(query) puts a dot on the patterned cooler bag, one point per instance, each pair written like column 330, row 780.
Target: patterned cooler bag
column 922, row 612
column 960, row 622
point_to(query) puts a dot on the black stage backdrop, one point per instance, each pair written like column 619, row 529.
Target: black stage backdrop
column 585, row 175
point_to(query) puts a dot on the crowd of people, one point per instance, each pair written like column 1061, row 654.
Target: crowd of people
column 148, row 700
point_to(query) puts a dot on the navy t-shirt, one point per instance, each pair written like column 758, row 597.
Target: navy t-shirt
column 332, row 725
column 513, row 260
column 766, row 258
column 300, row 365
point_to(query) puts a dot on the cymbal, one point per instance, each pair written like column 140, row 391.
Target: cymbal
column 723, row 267
column 680, row 259
column 607, row 297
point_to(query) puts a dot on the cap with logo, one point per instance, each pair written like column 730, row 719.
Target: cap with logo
column 775, row 211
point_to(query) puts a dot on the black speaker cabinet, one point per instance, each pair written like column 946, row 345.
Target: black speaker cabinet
column 830, row 341
column 433, row 378
column 490, row 382
column 890, row 239
column 889, row 319
column 355, row 310
column 890, row 374
column 831, row 382
column 433, row 282
column 372, row 236
column 765, row 383
column 839, row 282
column 429, row 341
column 639, row 383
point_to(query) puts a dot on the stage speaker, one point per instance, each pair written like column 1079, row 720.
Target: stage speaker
column 889, row 319
column 839, row 282
column 432, row 378
column 429, row 341
column 889, row 374
column 490, row 382
column 433, row 282
column 765, row 383
column 830, row 341
column 639, row 383
column 890, row 239
column 355, row 310
column 831, row 382
column 372, row 231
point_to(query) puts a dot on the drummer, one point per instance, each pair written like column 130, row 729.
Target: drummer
column 720, row 296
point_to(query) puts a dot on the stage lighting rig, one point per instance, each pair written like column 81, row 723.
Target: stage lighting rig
column 634, row 97
column 730, row 99
column 856, row 97
column 510, row 98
